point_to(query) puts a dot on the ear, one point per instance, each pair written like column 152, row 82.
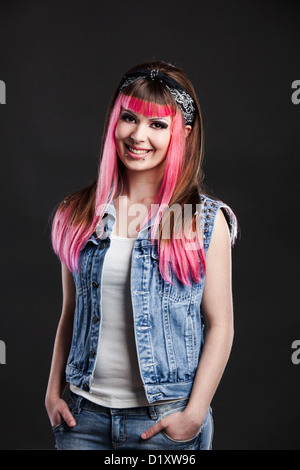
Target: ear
column 187, row 130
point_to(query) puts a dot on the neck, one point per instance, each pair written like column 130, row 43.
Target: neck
column 140, row 186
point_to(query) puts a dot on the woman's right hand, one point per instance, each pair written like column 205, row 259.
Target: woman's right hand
column 59, row 411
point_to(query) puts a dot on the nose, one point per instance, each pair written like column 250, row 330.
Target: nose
column 139, row 134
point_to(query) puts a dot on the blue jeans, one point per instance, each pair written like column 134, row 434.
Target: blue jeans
column 100, row 428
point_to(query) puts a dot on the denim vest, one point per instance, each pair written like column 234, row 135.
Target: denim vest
column 168, row 323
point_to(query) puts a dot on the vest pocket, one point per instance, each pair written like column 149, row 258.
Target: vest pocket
column 176, row 292
column 179, row 292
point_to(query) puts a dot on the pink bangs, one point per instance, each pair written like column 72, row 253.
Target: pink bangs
column 146, row 108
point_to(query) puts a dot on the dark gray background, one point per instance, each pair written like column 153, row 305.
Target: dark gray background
column 61, row 62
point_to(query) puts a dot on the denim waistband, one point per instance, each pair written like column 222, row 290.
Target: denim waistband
column 78, row 403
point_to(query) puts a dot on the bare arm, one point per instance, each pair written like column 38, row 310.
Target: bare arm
column 56, row 407
column 217, row 310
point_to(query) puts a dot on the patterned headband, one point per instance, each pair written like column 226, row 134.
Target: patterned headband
column 182, row 98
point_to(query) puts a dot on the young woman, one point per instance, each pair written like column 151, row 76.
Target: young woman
column 147, row 318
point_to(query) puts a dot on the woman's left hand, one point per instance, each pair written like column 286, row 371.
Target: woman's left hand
column 178, row 426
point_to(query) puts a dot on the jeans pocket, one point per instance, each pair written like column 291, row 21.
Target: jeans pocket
column 207, row 432
column 177, row 408
column 186, row 441
column 71, row 404
column 59, row 426
column 203, row 432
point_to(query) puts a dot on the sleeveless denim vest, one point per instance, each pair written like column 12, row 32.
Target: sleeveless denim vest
column 168, row 323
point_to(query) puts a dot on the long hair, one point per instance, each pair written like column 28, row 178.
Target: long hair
column 78, row 215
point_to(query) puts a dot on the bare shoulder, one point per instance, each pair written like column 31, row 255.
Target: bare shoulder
column 67, row 276
column 216, row 300
column 220, row 239
column 68, row 287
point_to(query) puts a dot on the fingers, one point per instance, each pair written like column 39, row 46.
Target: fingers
column 66, row 415
column 158, row 427
column 69, row 420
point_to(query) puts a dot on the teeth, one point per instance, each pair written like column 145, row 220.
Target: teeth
column 138, row 152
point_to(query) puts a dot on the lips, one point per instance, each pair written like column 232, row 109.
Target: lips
column 138, row 153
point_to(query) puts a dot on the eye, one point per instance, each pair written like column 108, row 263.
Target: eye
column 159, row 125
column 127, row 117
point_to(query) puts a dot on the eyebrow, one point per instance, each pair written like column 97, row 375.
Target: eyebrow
column 150, row 119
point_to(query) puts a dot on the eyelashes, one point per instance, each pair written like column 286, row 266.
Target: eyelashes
column 155, row 124
column 127, row 117
column 161, row 125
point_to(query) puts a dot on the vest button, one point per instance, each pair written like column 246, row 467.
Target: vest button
column 95, row 319
column 102, row 245
column 92, row 353
column 95, row 284
column 86, row 387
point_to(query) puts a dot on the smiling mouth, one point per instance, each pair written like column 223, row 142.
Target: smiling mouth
column 138, row 152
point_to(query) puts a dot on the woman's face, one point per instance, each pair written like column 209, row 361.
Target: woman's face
column 142, row 141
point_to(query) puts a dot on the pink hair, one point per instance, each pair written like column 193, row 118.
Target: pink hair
column 68, row 240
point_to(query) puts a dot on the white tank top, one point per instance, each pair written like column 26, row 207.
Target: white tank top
column 117, row 382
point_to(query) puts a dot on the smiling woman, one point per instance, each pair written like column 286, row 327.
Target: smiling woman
column 147, row 318
column 137, row 136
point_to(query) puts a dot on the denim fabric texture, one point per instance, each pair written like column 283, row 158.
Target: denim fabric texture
column 100, row 428
column 167, row 318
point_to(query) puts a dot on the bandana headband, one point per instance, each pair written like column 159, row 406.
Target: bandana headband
column 182, row 98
